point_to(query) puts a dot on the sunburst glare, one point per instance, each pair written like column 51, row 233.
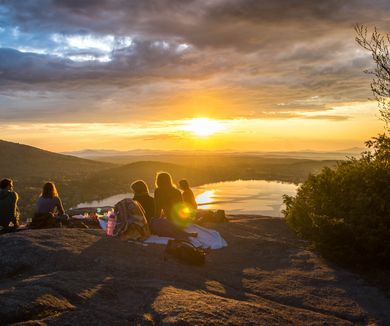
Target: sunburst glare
column 203, row 127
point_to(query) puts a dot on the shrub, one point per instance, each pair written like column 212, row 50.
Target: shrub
column 345, row 211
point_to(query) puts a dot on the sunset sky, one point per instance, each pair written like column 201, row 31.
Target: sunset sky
column 180, row 74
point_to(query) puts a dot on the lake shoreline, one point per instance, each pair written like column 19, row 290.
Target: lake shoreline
column 239, row 197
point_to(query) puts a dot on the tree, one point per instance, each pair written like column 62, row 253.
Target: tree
column 345, row 211
column 378, row 44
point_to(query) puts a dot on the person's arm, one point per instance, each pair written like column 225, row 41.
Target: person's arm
column 186, row 197
column 179, row 197
column 15, row 218
column 59, row 206
column 193, row 200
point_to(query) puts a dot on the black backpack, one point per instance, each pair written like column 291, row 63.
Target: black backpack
column 185, row 252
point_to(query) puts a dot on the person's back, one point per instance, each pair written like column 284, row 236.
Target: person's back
column 168, row 203
column 166, row 196
column 147, row 203
column 49, row 205
column 8, row 204
column 189, row 199
column 49, row 210
column 165, row 200
column 141, row 195
column 187, row 194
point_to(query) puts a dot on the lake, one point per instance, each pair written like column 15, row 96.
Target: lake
column 235, row 197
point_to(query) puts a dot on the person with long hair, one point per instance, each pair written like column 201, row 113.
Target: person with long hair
column 49, row 212
column 141, row 195
column 168, row 203
column 166, row 196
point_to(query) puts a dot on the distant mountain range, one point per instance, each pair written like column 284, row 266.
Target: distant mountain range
column 123, row 157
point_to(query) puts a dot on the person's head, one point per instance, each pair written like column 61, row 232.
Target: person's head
column 6, row 184
column 163, row 180
column 183, row 184
column 139, row 187
column 49, row 190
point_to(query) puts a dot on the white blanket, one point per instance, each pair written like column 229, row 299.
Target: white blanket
column 206, row 238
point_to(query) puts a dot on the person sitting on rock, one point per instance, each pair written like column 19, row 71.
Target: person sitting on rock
column 187, row 194
column 9, row 211
column 141, row 195
column 169, row 206
column 50, row 212
column 166, row 196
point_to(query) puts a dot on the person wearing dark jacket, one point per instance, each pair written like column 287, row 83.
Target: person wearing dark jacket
column 9, row 211
column 187, row 194
column 168, row 204
column 141, row 195
column 166, row 197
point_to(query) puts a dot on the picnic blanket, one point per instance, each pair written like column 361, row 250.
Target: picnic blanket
column 206, row 238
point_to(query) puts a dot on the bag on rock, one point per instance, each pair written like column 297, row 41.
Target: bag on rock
column 186, row 252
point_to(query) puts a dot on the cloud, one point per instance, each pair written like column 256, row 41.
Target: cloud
column 138, row 57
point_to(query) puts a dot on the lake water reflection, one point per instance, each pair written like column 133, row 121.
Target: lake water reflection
column 235, row 197
column 245, row 196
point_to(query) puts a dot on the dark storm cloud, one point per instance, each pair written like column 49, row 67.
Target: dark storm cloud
column 267, row 51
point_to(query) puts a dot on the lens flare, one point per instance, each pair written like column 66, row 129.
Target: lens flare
column 183, row 215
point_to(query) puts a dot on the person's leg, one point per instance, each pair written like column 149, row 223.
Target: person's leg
column 4, row 225
column 63, row 217
column 61, row 221
column 15, row 221
column 43, row 221
column 166, row 228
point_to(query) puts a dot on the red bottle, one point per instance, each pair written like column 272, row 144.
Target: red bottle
column 111, row 224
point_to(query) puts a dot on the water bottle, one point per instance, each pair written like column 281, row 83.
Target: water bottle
column 111, row 224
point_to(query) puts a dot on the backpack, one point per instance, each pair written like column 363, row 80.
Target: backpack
column 185, row 252
column 131, row 223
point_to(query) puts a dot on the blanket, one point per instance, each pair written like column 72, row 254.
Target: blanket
column 206, row 238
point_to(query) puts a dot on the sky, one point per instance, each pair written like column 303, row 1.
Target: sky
column 240, row 75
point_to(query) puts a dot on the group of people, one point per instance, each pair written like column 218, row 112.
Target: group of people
column 170, row 210
column 167, row 213
column 48, row 204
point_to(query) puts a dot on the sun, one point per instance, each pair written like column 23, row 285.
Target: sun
column 203, row 127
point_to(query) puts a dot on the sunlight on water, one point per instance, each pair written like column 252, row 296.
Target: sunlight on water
column 245, row 196
column 205, row 197
column 235, row 197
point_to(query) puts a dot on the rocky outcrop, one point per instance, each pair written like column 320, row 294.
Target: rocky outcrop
column 264, row 277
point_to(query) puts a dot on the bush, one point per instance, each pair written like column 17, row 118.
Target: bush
column 345, row 211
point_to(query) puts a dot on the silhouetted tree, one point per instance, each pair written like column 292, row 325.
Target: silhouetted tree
column 378, row 44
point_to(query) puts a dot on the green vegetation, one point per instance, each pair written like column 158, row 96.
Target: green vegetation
column 79, row 180
column 345, row 211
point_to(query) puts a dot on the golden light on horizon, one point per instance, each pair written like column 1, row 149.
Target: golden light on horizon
column 203, row 127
